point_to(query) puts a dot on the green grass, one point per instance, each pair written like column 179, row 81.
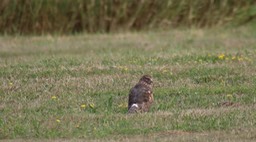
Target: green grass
column 76, row 87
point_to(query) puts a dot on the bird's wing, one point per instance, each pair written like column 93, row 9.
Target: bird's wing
column 133, row 96
column 139, row 94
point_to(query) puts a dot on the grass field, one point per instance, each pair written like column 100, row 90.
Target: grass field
column 76, row 87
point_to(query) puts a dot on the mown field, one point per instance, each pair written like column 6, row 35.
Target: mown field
column 76, row 87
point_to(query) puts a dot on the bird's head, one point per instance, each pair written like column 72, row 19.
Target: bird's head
column 147, row 79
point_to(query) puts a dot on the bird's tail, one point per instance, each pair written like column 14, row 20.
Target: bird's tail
column 134, row 108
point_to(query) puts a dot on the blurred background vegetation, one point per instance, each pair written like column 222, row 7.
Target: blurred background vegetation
column 74, row 16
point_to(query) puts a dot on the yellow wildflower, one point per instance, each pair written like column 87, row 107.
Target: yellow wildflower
column 221, row 56
column 125, row 68
column 83, row 106
column 229, row 95
column 122, row 105
column 10, row 84
column 240, row 58
column 54, row 97
column 91, row 105
column 57, row 120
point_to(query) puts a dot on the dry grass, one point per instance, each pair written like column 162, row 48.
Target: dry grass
column 66, row 16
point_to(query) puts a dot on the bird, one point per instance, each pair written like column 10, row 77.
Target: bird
column 141, row 95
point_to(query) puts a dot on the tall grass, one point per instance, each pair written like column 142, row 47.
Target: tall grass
column 69, row 16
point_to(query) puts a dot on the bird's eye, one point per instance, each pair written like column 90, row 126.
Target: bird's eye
column 149, row 80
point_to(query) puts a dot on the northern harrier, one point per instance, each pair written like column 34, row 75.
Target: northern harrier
column 141, row 95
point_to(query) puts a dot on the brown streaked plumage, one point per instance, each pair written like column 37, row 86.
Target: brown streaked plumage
column 141, row 95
